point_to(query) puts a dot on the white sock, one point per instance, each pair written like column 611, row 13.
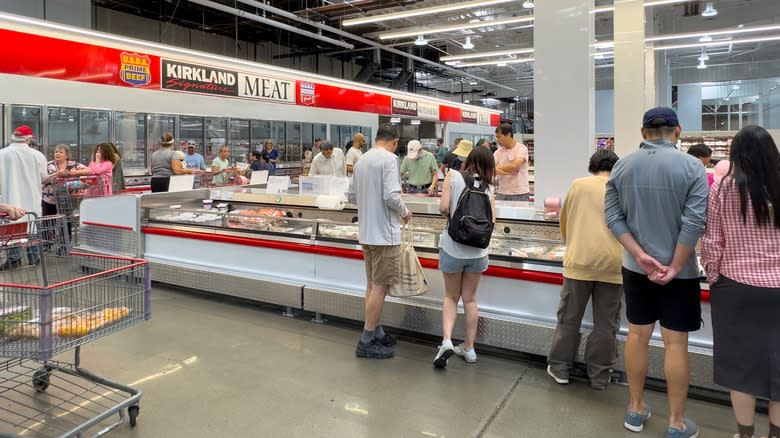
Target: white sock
column 447, row 343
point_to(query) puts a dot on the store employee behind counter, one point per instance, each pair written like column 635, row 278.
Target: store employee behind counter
column 421, row 167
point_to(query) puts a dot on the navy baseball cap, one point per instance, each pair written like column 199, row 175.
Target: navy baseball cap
column 660, row 117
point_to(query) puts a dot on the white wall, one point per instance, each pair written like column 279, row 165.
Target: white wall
column 689, row 106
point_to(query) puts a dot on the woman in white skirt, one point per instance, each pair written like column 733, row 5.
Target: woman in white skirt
column 741, row 254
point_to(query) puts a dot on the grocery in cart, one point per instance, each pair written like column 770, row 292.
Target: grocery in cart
column 52, row 301
column 69, row 192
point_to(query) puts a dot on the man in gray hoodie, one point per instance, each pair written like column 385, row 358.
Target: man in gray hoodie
column 656, row 205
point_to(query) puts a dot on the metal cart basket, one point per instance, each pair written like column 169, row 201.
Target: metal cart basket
column 53, row 300
column 69, row 192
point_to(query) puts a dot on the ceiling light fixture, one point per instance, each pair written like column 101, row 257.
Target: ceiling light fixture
column 707, row 37
column 468, row 45
column 420, row 41
column 709, row 10
column 466, row 101
column 718, row 43
column 528, row 4
column 473, row 83
column 423, row 11
column 415, row 122
column 486, row 54
column 701, row 65
column 704, row 56
column 610, row 8
column 498, row 62
column 455, row 27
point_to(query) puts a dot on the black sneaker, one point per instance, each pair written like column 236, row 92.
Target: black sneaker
column 373, row 350
column 387, row 340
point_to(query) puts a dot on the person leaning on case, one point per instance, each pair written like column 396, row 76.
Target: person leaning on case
column 376, row 190
column 656, row 206
column 591, row 269
column 462, row 265
column 740, row 252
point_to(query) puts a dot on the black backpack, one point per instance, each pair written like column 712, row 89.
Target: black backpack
column 471, row 223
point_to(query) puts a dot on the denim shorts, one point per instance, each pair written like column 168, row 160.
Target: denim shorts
column 451, row 265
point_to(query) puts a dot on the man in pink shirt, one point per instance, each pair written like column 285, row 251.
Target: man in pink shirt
column 511, row 166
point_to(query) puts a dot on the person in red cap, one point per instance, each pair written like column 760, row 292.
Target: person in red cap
column 22, row 169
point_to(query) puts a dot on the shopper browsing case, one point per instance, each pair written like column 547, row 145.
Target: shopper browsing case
column 354, row 152
column 656, row 204
column 741, row 253
column 462, row 265
column 376, row 189
column 591, row 269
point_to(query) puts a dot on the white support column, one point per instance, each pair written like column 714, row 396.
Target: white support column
column 630, row 70
column 563, row 94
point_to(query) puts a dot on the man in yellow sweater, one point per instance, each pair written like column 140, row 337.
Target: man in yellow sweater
column 591, row 268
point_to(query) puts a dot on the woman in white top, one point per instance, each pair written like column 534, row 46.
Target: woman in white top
column 462, row 265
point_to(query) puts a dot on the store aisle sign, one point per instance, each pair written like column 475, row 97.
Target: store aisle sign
column 404, row 107
column 427, row 111
column 469, row 116
column 194, row 78
column 266, row 88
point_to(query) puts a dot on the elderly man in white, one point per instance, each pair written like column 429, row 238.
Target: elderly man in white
column 330, row 161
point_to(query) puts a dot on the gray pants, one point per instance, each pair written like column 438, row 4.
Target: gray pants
column 601, row 346
column 524, row 197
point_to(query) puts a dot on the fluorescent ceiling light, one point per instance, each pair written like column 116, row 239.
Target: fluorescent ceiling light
column 707, row 36
column 468, row 45
column 487, row 54
column 395, row 120
column 709, row 10
column 704, row 56
column 528, row 4
column 718, row 43
column 466, row 101
column 498, row 62
column 473, row 83
column 423, row 11
column 420, row 41
column 455, row 27
column 610, row 8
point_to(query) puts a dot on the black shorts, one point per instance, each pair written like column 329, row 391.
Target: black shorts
column 677, row 304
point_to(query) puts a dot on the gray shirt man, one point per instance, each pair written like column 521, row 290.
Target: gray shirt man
column 659, row 195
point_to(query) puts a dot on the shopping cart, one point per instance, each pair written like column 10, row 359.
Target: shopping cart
column 53, row 300
column 68, row 194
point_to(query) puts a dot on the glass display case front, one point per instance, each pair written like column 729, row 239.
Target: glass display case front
column 294, row 216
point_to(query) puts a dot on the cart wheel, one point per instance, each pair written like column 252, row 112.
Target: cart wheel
column 41, row 380
column 132, row 414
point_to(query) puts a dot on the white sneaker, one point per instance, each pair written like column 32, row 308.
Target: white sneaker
column 445, row 352
column 469, row 356
column 557, row 379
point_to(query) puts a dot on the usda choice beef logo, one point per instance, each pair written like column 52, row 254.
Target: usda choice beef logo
column 198, row 79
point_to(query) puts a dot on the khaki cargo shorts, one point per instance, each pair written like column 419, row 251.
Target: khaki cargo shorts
column 383, row 264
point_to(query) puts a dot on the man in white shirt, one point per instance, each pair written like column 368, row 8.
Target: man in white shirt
column 376, row 189
column 22, row 169
column 330, row 161
column 355, row 152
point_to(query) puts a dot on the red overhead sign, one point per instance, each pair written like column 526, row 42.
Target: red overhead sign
column 47, row 57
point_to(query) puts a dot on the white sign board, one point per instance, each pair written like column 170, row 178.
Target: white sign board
column 181, row 183
column 258, row 177
column 277, row 185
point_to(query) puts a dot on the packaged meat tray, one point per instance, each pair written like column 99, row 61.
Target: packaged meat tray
column 344, row 232
column 261, row 219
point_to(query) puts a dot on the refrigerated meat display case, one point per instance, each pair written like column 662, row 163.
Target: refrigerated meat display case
column 282, row 249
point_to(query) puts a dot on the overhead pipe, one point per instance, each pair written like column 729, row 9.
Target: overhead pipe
column 269, row 22
column 291, row 16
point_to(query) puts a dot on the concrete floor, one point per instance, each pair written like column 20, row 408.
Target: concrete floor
column 214, row 369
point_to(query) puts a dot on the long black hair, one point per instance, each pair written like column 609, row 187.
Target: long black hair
column 755, row 167
column 481, row 162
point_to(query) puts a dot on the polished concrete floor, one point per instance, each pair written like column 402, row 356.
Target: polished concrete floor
column 214, row 369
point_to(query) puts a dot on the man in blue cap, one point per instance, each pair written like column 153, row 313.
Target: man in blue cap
column 656, row 205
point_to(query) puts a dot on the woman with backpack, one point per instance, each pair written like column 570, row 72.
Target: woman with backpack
column 468, row 201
